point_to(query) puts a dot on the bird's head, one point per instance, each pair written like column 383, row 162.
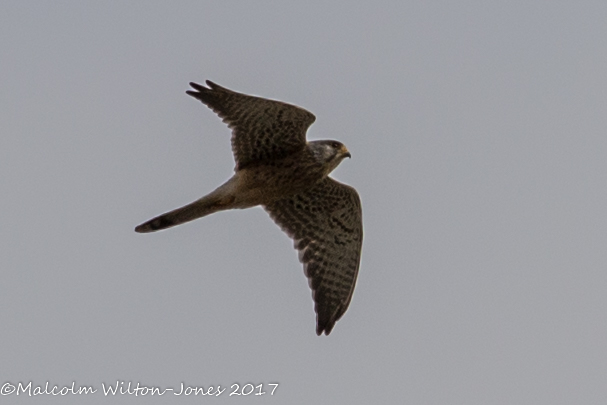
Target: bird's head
column 330, row 153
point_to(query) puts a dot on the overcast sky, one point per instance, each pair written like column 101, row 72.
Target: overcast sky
column 477, row 133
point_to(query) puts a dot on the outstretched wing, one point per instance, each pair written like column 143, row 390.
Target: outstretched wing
column 326, row 224
column 262, row 129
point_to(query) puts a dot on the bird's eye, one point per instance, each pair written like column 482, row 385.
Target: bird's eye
column 335, row 145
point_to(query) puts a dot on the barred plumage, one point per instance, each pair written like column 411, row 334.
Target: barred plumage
column 278, row 169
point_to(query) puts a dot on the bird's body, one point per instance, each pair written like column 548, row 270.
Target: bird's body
column 259, row 183
column 277, row 169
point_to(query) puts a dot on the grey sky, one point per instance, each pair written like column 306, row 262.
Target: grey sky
column 477, row 132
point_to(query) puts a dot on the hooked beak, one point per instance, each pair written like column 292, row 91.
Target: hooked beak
column 345, row 153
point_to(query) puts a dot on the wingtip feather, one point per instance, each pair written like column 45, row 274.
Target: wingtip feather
column 197, row 86
column 214, row 86
column 325, row 327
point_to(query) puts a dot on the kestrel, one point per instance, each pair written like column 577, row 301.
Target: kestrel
column 289, row 177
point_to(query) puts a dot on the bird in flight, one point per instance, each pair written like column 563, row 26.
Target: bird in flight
column 289, row 177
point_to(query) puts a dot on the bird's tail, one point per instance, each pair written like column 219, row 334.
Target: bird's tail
column 218, row 200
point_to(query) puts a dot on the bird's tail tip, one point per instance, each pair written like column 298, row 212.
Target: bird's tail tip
column 156, row 224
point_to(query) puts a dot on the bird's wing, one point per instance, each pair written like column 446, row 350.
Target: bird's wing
column 326, row 224
column 262, row 129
